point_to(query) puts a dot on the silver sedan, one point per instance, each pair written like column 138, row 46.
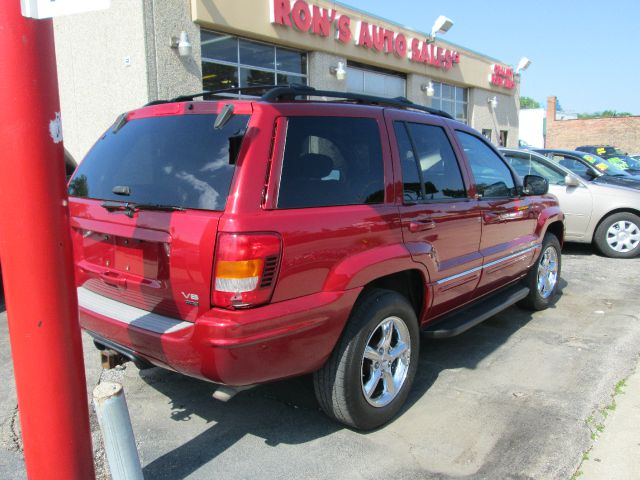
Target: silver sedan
column 607, row 215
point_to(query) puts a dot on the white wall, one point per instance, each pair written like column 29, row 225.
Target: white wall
column 532, row 126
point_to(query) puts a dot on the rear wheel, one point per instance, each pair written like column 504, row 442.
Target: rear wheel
column 544, row 275
column 369, row 374
column 618, row 235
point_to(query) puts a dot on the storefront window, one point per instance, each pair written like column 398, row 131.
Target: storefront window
column 451, row 99
column 372, row 82
column 230, row 62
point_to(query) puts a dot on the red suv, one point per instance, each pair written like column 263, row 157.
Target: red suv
column 245, row 241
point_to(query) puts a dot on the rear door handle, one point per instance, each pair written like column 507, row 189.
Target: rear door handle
column 421, row 225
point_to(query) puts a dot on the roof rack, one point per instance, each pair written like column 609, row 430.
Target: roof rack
column 215, row 93
column 276, row 93
column 290, row 92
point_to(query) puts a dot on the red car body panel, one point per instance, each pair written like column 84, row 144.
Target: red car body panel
column 157, row 260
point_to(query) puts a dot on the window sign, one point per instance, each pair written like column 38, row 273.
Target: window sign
column 40, row 9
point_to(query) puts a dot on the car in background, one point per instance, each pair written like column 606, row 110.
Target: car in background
column 605, row 215
column 591, row 168
column 69, row 167
column 615, row 155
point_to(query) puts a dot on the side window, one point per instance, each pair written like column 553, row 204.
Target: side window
column 525, row 165
column 574, row 165
column 493, row 178
column 331, row 161
column 428, row 158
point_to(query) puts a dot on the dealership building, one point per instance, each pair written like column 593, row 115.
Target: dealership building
column 137, row 51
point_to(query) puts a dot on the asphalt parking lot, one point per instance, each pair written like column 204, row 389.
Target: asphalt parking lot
column 507, row 399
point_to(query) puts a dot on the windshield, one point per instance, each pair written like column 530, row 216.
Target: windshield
column 605, row 166
column 179, row 161
column 624, row 161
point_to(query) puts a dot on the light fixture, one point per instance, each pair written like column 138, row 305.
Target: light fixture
column 441, row 25
column 493, row 102
column 182, row 44
column 523, row 64
column 340, row 72
column 428, row 88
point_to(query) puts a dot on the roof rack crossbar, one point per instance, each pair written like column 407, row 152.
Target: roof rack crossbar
column 290, row 92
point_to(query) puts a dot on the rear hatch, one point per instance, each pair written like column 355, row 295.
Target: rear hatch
column 145, row 205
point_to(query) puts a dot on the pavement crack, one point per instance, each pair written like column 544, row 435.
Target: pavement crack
column 14, row 430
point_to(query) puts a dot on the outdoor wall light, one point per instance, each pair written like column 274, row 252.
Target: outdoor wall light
column 493, row 102
column 428, row 89
column 523, row 65
column 182, row 44
column 340, row 72
column 441, row 25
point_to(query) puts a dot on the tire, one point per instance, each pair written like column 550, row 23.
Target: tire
column 618, row 235
column 544, row 275
column 340, row 384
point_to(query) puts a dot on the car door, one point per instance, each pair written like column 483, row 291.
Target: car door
column 440, row 222
column 508, row 218
column 575, row 201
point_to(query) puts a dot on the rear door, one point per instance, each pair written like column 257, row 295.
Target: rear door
column 172, row 163
column 440, row 222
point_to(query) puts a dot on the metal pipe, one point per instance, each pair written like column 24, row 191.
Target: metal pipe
column 117, row 433
column 36, row 253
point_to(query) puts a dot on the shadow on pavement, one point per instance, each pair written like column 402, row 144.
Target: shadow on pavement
column 286, row 412
column 580, row 249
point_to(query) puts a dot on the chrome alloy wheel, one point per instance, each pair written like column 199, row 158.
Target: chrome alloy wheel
column 385, row 362
column 623, row 236
column 547, row 272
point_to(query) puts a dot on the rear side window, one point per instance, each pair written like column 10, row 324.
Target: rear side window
column 171, row 160
column 426, row 155
column 331, row 161
column 493, row 178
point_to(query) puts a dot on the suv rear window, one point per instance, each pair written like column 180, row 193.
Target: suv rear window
column 170, row 160
column 331, row 161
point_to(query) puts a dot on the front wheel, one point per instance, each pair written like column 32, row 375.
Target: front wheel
column 369, row 374
column 544, row 275
column 618, row 235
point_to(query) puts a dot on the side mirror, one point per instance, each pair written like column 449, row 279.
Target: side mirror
column 571, row 181
column 535, row 185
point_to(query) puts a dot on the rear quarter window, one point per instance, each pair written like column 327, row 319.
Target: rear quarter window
column 171, row 160
column 331, row 161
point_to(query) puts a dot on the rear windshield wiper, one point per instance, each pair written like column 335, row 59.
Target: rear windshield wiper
column 129, row 209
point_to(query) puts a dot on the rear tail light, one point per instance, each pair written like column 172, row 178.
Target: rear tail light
column 245, row 269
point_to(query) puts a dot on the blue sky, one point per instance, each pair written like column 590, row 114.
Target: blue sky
column 587, row 53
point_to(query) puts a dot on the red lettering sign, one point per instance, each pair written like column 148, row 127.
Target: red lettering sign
column 502, row 77
column 301, row 15
column 343, row 34
column 320, row 21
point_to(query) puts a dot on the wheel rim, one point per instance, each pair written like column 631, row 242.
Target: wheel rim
column 547, row 272
column 623, row 236
column 385, row 361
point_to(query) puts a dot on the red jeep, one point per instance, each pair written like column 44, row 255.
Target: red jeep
column 245, row 241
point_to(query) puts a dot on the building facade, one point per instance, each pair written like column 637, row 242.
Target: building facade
column 622, row 132
column 118, row 59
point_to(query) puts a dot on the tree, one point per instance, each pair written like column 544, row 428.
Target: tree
column 604, row 114
column 528, row 102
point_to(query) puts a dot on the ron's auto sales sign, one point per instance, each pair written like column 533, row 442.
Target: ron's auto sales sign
column 328, row 22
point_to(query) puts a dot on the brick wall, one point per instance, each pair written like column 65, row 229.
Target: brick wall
column 623, row 132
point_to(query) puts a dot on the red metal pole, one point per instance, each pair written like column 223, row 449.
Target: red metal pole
column 36, row 255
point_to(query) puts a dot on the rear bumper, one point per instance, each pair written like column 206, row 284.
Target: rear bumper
column 234, row 347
